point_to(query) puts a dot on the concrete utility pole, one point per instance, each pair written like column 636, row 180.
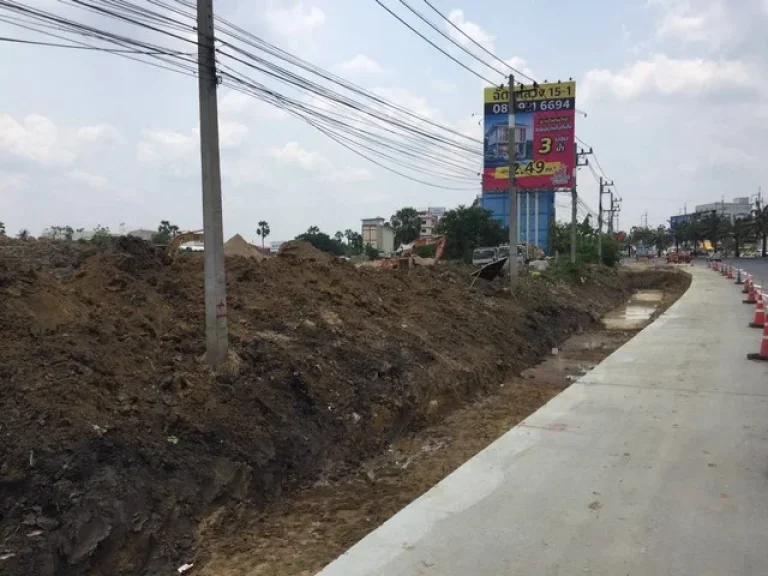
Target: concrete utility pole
column 603, row 185
column 600, row 223
column 574, row 201
column 216, row 340
column 611, row 210
column 512, row 187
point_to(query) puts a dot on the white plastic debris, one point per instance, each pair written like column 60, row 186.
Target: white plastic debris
column 7, row 556
column 555, row 351
column 173, row 439
column 184, row 567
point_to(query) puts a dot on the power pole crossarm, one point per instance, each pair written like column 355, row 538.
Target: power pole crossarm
column 216, row 339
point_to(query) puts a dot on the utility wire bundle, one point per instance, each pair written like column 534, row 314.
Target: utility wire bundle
column 369, row 125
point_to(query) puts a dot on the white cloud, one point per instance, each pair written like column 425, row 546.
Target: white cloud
column 295, row 155
column 12, row 183
column 443, row 86
column 177, row 153
column 350, row 174
column 232, row 134
column 36, row 138
column 692, row 20
column 667, row 76
column 100, row 135
column 407, row 99
column 291, row 19
column 475, row 31
column 362, row 64
column 86, row 178
column 237, row 103
column 292, row 154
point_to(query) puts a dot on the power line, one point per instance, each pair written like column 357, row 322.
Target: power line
column 447, row 37
column 476, row 43
column 75, row 47
column 326, row 124
column 428, row 41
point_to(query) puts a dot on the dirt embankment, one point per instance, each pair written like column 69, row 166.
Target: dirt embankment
column 120, row 450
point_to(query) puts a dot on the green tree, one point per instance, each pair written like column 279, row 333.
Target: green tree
column 662, row 239
column 760, row 215
column 371, row 252
column 2, row 228
column 165, row 231
column 406, row 223
column 23, row 234
column 743, row 231
column 101, row 236
column 354, row 242
column 322, row 241
column 263, row 231
column 467, row 228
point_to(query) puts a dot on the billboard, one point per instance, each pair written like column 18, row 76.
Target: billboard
column 544, row 148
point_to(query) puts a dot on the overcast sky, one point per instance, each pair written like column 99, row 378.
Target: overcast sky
column 675, row 92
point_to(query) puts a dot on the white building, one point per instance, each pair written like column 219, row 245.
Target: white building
column 378, row 233
column 738, row 208
column 429, row 218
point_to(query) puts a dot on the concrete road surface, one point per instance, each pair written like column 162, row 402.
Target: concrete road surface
column 758, row 267
column 655, row 463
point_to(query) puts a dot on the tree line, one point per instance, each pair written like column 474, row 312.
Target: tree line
column 718, row 229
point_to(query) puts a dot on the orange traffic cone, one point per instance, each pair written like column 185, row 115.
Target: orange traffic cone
column 715, row 266
column 739, row 281
column 763, row 354
column 723, row 270
column 759, row 319
column 751, row 296
column 730, row 272
column 747, row 280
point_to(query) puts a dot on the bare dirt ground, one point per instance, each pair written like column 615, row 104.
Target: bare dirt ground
column 300, row 536
column 122, row 454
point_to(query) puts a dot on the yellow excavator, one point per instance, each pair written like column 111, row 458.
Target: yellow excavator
column 179, row 239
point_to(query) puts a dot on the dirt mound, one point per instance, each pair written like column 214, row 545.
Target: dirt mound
column 55, row 257
column 121, row 450
column 237, row 246
column 297, row 249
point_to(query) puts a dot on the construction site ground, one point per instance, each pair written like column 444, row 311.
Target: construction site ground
column 349, row 392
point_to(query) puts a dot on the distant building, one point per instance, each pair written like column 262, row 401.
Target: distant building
column 274, row 246
column 378, row 233
column 738, row 208
column 143, row 233
column 429, row 218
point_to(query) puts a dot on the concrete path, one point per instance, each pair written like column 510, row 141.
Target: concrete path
column 655, row 463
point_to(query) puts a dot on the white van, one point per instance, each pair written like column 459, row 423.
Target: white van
column 484, row 255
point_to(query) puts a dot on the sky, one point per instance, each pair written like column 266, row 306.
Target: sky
column 675, row 93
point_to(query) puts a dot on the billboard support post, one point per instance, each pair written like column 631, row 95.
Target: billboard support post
column 512, row 187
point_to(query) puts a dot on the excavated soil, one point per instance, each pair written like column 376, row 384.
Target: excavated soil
column 122, row 453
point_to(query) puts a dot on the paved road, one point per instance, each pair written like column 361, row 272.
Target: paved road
column 758, row 267
column 654, row 463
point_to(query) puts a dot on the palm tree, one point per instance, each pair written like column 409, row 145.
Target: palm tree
column 263, row 231
column 407, row 225
column 313, row 230
column 23, row 234
column 743, row 231
column 339, row 236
